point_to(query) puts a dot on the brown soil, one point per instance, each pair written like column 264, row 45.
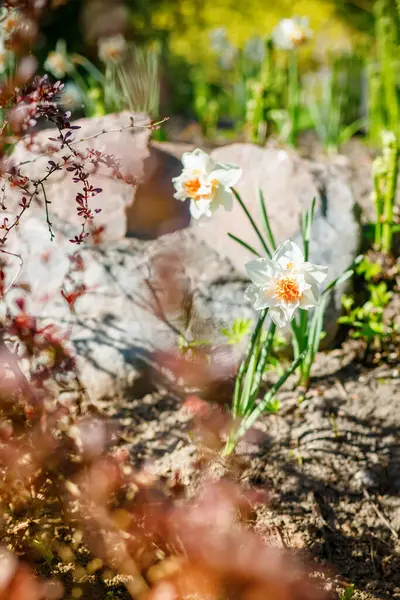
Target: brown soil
column 331, row 467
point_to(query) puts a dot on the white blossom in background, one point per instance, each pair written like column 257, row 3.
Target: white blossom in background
column 113, row 48
column 284, row 283
column 292, row 33
column 206, row 183
column 57, row 61
column 12, row 22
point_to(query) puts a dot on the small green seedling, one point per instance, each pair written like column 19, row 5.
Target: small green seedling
column 240, row 328
column 348, row 593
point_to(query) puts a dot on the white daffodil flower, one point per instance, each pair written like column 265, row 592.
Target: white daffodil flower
column 112, row 49
column 284, row 283
column 292, row 33
column 206, row 183
column 56, row 64
column 57, row 61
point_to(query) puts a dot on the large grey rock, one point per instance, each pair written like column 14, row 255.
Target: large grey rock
column 111, row 134
column 140, row 296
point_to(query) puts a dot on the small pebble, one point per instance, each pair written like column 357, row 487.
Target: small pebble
column 365, row 478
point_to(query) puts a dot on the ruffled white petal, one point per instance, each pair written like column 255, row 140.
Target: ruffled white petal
column 255, row 295
column 198, row 161
column 309, row 298
column 289, row 308
column 278, row 316
column 261, row 271
column 317, row 272
column 227, row 175
column 200, row 208
column 178, row 183
column 223, row 197
column 286, row 253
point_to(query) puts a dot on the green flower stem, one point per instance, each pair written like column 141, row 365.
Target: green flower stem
column 390, row 195
column 89, row 67
column 249, row 421
column 294, row 96
column 386, row 35
column 244, row 244
column 379, row 211
column 245, row 362
column 265, row 219
column 261, row 365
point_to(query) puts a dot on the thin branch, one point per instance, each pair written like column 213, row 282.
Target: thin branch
column 132, row 125
column 46, row 204
column 380, row 514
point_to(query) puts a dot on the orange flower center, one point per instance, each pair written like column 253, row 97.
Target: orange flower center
column 297, row 36
column 192, row 187
column 287, row 289
column 113, row 53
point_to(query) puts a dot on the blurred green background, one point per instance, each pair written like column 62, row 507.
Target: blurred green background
column 183, row 28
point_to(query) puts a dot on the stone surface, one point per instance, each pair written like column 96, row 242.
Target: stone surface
column 110, row 134
column 140, row 296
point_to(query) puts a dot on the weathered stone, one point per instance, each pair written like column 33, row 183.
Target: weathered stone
column 140, row 297
column 111, row 134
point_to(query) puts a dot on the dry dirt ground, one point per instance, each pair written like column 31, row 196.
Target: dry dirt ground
column 331, row 467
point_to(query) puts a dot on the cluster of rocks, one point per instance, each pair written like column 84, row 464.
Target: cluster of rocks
column 155, row 275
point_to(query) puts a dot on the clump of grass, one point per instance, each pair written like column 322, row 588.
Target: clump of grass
column 385, row 175
column 334, row 102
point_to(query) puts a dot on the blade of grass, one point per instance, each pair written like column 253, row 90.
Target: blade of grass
column 344, row 276
column 244, row 244
column 245, row 362
column 252, row 222
column 261, row 364
column 252, row 418
column 266, row 222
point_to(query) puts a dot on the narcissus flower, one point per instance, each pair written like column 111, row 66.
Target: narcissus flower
column 112, row 49
column 284, row 283
column 57, row 64
column 206, row 183
column 292, row 33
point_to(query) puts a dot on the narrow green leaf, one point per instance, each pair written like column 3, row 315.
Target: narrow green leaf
column 259, row 409
column 266, row 223
column 344, row 276
column 244, row 244
column 252, row 222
